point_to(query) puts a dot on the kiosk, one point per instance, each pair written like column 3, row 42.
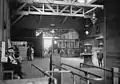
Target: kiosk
column 87, row 54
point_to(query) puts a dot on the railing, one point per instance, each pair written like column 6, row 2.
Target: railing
column 81, row 70
column 46, row 74
column 114, row 74
column 73, row 73
column 96, row 67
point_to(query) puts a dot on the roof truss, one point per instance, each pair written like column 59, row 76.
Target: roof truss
column 59, row 8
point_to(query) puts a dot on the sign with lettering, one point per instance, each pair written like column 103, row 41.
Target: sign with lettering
column 3, row 57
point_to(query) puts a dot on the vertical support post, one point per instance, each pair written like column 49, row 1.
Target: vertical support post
column 43, row 8
column 87, row 75
column 57, row 8
column 51, row 73
column 1, row 19
column 32, row 72
column 55, row 81
column 105, row 44
column 81, row 65
column 74, row 79
column 71, row 9
column 115, row 80
column 62, row 78
column 50, row 80
column 112, row 75
column 1, row 32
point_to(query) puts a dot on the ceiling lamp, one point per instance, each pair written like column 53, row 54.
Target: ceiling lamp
column 94, row 19
column 86, row 32
column 55, row 42
column 86, row 25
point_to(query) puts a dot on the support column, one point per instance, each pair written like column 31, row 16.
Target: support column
column 1, row 20
column 105, row 44
column 7, row 23
column 1, row 32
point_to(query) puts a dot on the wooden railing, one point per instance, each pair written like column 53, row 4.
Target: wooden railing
column 106, row 69
column 76, row 74
column 86, row 72
column 46, row 74
column 117, row 74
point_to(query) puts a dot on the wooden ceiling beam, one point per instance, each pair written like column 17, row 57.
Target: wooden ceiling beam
column 14, row 22
column 49, row 13
column 60, row 3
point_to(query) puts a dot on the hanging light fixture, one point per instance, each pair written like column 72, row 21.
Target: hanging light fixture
column 86, row 27
column 94, row 19
column 52, row 25
column 86, row 32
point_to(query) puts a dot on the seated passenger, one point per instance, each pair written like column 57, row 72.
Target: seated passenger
column 13, row 64
column 17, row 53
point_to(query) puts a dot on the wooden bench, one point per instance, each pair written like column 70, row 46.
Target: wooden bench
column 8, row 71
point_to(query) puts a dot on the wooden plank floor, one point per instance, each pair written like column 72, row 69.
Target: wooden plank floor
column 67, row 78
column 27, row 81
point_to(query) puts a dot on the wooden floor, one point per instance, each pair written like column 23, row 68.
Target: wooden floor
column 67, row 78
column 31, row 72
column 27, row 81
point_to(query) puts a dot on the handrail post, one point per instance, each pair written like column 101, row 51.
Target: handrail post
column 74, row 79
column 50, row 80
column 112, row 73
column 32, row 69
column 87, row 76
column 80, row 65
column 55, row 81
column 115, row 79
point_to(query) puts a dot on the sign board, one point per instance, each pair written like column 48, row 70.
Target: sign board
column 3, row 57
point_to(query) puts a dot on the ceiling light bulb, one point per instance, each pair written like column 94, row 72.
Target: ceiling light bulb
column 86, row 25
column 55, row 42
column 86, row 32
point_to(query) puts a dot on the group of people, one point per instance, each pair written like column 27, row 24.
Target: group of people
column 14, row 62
column 30, row 53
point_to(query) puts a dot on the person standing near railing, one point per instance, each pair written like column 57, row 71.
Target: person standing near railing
column 32, row 53
column 100, row 57
column 56, row 57
column 29, row 53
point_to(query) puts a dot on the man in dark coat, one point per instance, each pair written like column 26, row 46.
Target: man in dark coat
column 100, row 57
column 29, row 52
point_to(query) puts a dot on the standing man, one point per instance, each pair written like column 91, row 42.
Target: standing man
column 32, row 53
column 29, row 52
column 100, row 57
